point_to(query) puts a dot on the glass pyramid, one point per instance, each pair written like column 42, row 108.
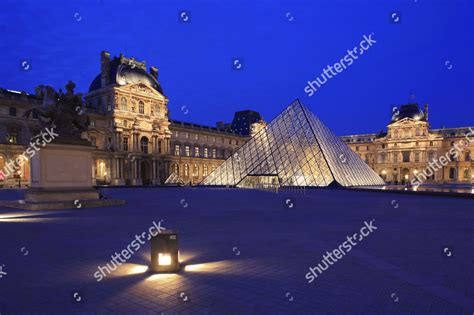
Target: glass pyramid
column 297, row 149
column 174, row 179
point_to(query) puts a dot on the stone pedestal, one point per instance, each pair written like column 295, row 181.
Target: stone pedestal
column 61, row 177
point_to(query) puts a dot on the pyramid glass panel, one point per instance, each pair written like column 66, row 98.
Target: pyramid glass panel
column 296, row 149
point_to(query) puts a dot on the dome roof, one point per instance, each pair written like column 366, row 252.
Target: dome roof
column 123, row 74
column 407, row 111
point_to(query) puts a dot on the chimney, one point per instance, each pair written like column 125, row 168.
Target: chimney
column 425, row 112
column 154, row 72
column 104, row 68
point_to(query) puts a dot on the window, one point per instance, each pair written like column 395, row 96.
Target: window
column 13, row 135
column 357, row 148
column 467, row 156
column 406, row 156
column 141, row 107
column 196, row 136
column 195, row 170
column 123, row 103
column 157, row 109
column 159, row 146
column 230, row 141
column 94, row 141
column 214, row 153
column 176, row 134
column 12, row 111
column 367, row 148
column 125, row 143
column 175, row 168
column 176, row 149
column 186, row 170
column 431, row 143
column 237, row 142
column 430, row 156
column 204, row 170
column 452, row 173
column 417, row 156
column 206, row 153
column 92, row 123
column 383, row 146
column 125, row 123
column 186, row 150
column 417, row 132
column 383, row 157
column 467, row 173
column 187, row 135
column 395, row 157
column 144, row 144
column 214, row 139
column 196, row 151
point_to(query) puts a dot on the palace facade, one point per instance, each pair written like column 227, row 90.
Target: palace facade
column 137, row 143
column 410, row 145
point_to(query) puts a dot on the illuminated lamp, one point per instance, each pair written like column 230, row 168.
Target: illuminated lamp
column 165, row 252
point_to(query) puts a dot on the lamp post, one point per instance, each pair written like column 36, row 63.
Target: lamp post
column 165, row 252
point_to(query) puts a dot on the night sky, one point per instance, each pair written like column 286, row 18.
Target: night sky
column 282, row 44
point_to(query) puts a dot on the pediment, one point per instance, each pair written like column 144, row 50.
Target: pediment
column 141, row 88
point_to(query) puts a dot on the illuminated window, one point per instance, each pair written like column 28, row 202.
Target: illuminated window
column 123, row 103
column 206, row 153
column 187, row 150
column 204, row 170
column 175, row 168
column 196, row 151
column 195, row 170
column 467, row 173
column 214, row 153
column 186, row 170
column 177, row 149
column 13, row 135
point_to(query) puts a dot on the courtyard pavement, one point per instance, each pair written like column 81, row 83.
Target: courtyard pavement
column 245, row 251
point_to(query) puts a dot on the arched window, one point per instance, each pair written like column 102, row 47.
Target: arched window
column 175, row 168
column 196, row 170
column 204, row 170
column 186, row 170
column 123, row 103
column 141, row 107
column 467, row 173
column 144, row 144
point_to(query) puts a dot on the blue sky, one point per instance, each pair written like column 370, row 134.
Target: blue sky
column 283, row 44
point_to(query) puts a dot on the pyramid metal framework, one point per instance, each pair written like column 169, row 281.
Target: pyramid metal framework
column 174, row 179
column 298, row 150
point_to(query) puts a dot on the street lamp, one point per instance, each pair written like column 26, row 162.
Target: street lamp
column 165, row 252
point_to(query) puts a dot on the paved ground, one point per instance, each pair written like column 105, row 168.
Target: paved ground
column 246, row 254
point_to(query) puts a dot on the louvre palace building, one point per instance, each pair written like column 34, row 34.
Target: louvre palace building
column 137, row 142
